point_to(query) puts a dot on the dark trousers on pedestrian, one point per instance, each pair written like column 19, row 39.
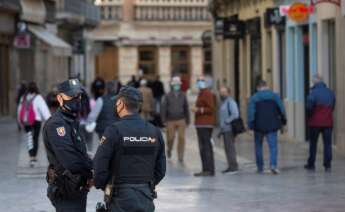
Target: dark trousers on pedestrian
column 327, row 144
column 33, row 133
column 206, row 149
column 230, row 150
column 133, row 200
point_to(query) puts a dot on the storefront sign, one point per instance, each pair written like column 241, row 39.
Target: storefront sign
column 229, row 28
column 273, row 17
column 336, row 2
column 22, row 41
column 299, row 12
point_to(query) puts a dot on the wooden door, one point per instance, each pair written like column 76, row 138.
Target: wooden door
column 180, row 64
column 107, row 63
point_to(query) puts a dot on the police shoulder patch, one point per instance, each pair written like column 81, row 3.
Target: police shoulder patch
column 61, row 131
column 103, row 140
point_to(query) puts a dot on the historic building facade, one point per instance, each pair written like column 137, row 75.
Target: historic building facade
column 157, row 37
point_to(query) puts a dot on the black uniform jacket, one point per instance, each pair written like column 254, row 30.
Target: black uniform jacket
column 64, row 145
column 110, row 145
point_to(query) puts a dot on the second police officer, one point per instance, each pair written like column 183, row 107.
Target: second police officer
column 70, row 168
column 130, row 160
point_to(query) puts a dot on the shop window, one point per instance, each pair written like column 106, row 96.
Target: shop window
column 148, row 60
column 180, row 60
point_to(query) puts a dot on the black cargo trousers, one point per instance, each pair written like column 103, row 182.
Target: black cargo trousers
column 132, row 198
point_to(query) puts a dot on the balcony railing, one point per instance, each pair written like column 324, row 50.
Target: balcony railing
column 172, row 13
column 78, row 10
column 10, row 4
column 93, row 14
column 111, row 12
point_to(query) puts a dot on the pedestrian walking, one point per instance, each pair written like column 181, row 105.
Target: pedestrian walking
column 52, row 102
column 205, row 120
column 21, row 90
column 103, row 113
column 158, row 92
column 133, row 82
column 175, row 115
column 228, row 112
column 32, row 111
column 85, row 110
column 266, row 115
column 98, row 87
column 320, row 108
column 69, row 174
column 148, row 101
column 130, row 161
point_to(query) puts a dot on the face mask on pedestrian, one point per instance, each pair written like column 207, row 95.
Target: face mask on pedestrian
column 223, row 98
column 201, row 84
column 176, row 88
column 72, row 106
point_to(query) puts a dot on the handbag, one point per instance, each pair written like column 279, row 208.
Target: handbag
column 237, row 125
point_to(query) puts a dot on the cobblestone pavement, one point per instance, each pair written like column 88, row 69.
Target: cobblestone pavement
column 23, row 190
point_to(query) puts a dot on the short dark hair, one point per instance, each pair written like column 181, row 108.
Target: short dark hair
column 33, row 88
column 261, row 83
column 130, row 104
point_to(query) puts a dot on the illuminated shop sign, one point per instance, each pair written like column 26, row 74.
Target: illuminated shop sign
column 297, row 12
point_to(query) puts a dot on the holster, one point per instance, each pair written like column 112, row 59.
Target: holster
column 65, row 185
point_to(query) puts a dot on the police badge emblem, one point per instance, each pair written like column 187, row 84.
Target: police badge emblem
column 61, row 131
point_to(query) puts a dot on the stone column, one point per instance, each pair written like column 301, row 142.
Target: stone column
column 196, row 63
column 164, row 65
column 128, row 62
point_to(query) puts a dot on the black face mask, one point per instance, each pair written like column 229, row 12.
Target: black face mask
column 72, row 106
column 222, row 98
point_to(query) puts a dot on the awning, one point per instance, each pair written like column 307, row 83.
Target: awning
column 59, row 46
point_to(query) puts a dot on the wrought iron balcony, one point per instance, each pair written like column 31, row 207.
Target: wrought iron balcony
column 78, row 11
column 10, row 4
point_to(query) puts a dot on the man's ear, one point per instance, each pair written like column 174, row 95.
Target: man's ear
column 59, row 99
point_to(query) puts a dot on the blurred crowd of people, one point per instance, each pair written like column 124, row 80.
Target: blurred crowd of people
column 171, row 110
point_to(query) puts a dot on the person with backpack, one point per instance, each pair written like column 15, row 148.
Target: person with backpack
column 32, row 111
column 228, row 112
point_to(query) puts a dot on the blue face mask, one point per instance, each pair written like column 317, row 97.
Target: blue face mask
column 201, row 84
column 176, row 87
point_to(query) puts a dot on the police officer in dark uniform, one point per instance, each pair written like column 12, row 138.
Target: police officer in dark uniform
column 70, row 169
column 130, row 160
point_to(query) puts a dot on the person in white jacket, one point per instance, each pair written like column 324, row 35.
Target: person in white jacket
column 32, row 111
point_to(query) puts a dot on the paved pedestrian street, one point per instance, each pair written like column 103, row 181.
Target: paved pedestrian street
column 24, row 190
